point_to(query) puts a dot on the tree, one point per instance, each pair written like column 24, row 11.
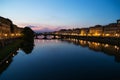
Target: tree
column 28, row 34
column 28, row 40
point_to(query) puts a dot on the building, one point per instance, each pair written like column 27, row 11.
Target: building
column 76, row 31
column 96, row 31
column 69, row 32
column 84, row 31
column 4, row 29
column 17, row 30
column 110, row 30
column 8, row 29
column 118, row 25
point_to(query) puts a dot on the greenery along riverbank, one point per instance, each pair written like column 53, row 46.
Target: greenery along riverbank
column 26, row 43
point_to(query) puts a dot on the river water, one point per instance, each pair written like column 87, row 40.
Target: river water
column 68, row 59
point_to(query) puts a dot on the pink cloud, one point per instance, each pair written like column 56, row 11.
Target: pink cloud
column 43, row 27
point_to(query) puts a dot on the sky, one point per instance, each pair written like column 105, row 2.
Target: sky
column 50, row 15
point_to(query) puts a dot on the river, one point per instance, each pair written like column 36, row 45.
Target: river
column 68, row 59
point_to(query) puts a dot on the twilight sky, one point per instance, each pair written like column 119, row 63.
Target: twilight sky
column 49, row 15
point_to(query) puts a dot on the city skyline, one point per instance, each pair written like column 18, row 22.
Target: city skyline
column 50, row 15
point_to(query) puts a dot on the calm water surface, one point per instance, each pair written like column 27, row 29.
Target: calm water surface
column 64, row 60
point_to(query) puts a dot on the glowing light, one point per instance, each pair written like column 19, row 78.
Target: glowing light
column 106, row 45
column 97, row 44
column 6, row 35
column 12, row 34
column 13, row 54
column 96, row 34
column 89, row 34
column 107, row 34
column 17, row 34
column 116, row 47
column 116, row 34
column 88, row 42
column 7, row 61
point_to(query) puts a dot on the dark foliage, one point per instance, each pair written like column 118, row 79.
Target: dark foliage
column 28, row 40
column 28, row 34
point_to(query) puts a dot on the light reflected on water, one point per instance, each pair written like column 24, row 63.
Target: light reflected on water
column 66, row 59
column 99, row 47
column 13, row 55
column 7, row 62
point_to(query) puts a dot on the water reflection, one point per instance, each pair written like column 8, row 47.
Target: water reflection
column 27, row 46
column 61, row 60
column 4, row 64
column 111, row 50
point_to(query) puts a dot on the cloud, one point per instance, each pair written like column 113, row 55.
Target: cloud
column 43, row 27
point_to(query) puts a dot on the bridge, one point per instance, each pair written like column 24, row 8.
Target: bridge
column 45, row 35
column 55, row 36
